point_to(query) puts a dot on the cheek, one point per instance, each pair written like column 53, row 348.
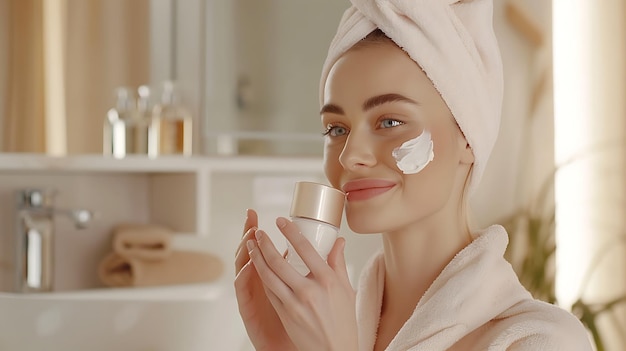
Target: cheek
column 445, row 148
column 428, row 191
column 332, row 167
column 436, row 180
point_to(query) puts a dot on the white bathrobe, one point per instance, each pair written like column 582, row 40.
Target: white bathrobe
column 476, row 303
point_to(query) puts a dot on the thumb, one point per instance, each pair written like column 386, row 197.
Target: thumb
column 336, row 258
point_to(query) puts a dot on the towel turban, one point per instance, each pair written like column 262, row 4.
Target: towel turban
column 454, row 43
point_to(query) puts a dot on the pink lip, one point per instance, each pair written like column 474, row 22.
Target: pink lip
column 363, row 189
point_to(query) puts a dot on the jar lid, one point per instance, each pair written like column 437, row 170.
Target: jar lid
column 319, row 202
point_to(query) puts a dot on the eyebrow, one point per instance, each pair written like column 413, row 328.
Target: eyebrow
column 384, row 99
column 332, row 108
column 370, row 103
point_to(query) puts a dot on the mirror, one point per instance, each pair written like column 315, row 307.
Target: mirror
column 280, row 47
column 247, row 70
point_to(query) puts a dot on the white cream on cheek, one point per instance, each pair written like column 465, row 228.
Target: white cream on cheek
column 413, row 155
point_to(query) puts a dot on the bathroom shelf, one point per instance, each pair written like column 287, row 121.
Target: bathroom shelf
column 179, row 189
column 203, row 196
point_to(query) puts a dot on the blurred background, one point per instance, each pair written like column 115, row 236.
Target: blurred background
column 248, row 72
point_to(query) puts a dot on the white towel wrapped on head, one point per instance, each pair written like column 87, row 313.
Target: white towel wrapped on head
column 454, row 43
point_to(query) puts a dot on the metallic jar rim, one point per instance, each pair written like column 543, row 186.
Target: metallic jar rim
column 319, row 202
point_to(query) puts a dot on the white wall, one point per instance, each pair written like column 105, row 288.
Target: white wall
column 590, row 86
column 523, row 156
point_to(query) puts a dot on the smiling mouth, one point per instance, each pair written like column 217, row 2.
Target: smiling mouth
column 360, row 190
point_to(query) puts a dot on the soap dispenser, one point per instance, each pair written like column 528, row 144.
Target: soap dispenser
column 171, row 125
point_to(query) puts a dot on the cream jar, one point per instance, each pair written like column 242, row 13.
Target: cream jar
column 317, row 210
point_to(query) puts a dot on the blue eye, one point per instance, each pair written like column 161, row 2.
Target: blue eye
column 390, row 123
column 335, row 131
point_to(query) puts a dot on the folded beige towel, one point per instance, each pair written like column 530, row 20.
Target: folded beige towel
column 180, row 267
column 144, row 241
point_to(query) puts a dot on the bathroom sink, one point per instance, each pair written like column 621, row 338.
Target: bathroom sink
column 199, row 317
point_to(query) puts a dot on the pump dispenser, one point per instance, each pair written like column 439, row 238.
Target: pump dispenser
column 317, row 210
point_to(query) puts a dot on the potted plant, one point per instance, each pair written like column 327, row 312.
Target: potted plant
column 531, row 252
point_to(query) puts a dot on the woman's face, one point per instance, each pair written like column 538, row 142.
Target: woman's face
column 375, row 99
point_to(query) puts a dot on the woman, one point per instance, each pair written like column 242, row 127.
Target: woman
column 408, row 132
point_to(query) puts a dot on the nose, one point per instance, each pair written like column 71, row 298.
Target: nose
column 358, row 151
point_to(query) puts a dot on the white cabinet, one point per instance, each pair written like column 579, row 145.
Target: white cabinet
column 203, row 196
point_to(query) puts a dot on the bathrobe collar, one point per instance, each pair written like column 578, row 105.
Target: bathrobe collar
column 474, row 288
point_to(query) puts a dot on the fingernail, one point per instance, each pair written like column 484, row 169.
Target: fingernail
column 247, row 213
column 258, row 234
column 250, row 245
column 281, row 222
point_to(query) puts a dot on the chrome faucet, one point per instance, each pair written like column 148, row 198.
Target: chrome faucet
column 35, row 238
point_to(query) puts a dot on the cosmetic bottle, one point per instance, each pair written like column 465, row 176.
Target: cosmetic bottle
column 316, row 209
column 171, row 125
column 113, row 122
column 125, row 131
column 145, row 105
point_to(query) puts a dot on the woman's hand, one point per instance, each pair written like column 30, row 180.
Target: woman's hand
column 317, row 311
column 264, row 328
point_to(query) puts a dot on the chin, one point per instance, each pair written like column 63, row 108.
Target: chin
column 361, row 230
column 363, row 224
